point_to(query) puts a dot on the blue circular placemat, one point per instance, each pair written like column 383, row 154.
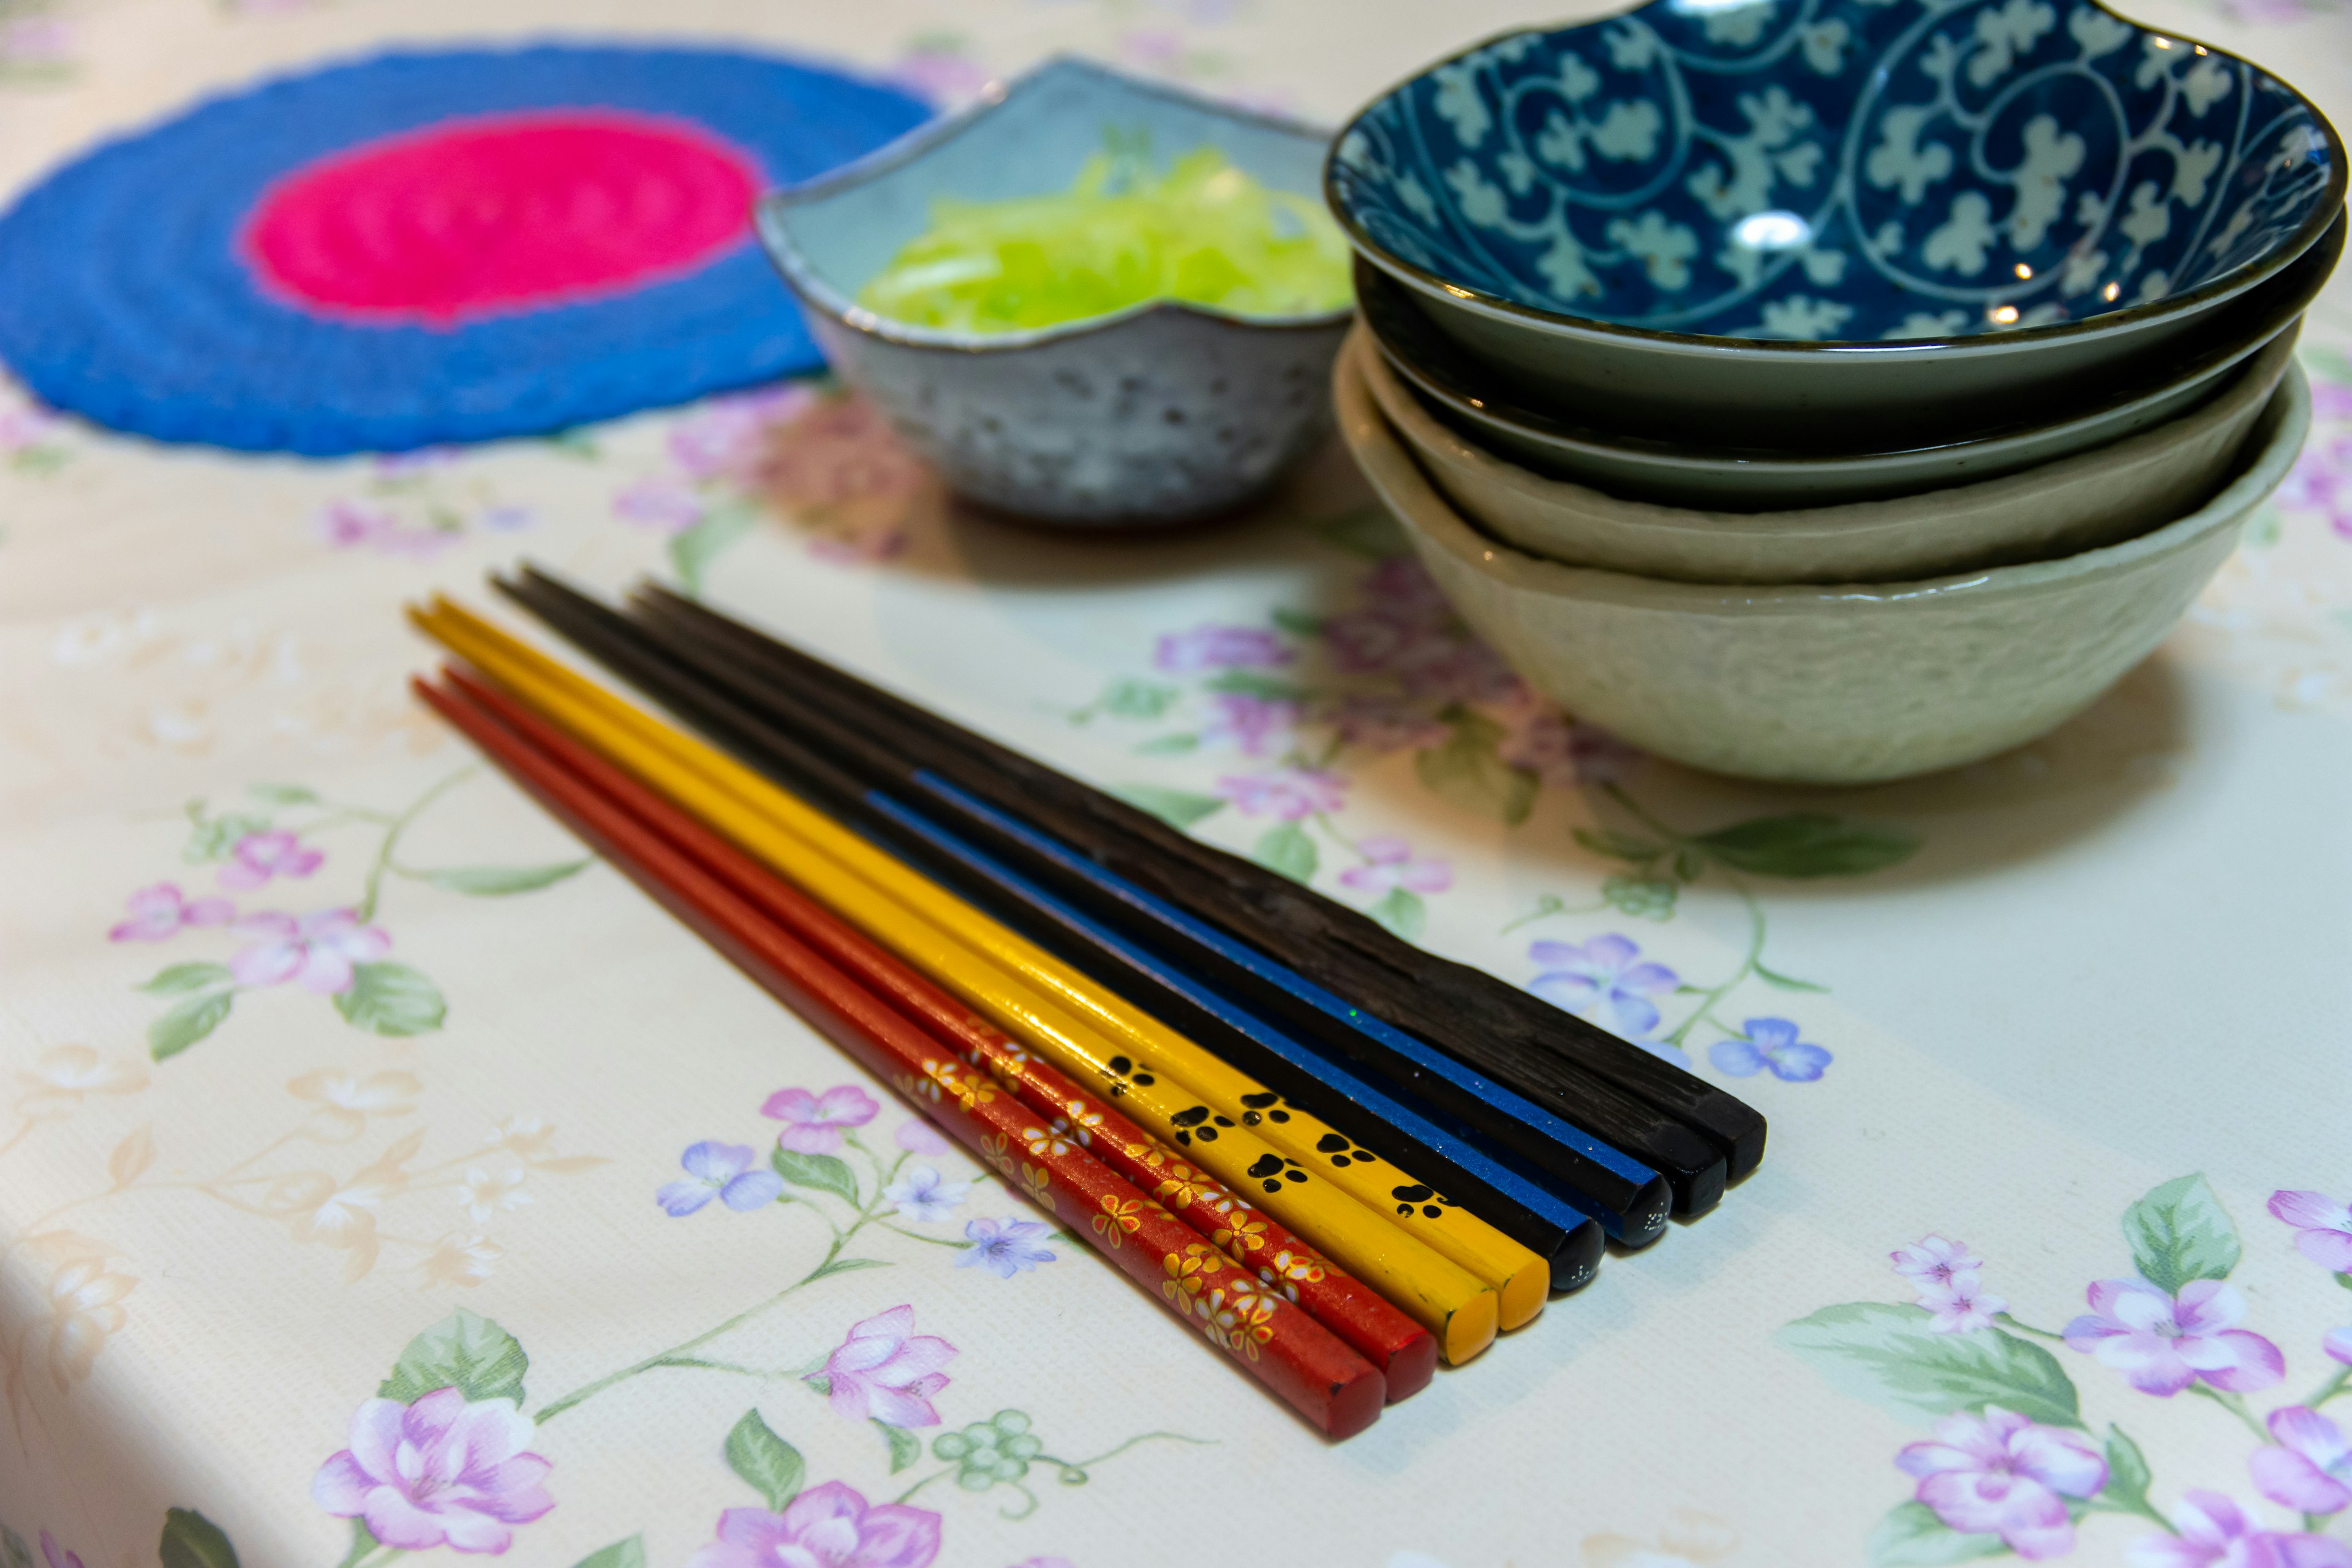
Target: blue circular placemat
column 124, row 298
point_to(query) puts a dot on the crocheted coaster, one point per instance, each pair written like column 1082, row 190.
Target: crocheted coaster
column 419, row 248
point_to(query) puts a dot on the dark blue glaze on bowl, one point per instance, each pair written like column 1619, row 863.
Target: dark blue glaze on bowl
column 1856, row 180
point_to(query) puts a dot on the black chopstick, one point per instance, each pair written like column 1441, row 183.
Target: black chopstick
column 1564, row 1227
column 1585, row 1134
column 1699, row 1135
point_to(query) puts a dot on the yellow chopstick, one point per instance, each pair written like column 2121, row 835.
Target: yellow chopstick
column 953, row 940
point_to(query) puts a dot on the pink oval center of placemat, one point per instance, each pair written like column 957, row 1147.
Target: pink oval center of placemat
column 497, row 213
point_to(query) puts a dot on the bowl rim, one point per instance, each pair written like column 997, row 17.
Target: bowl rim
column 1425, row 513
column 1421, row 431
column 1708, row 344
column 775, row 232
column 1444, row 384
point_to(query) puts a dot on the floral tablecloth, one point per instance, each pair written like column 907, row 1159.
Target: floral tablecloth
column 381, row 1178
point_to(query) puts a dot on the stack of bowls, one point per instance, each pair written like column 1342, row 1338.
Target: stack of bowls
column 1837, row 390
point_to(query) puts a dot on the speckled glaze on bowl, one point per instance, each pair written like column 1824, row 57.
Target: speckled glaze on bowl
column 1846, row 684
column 1153, row 414
column 2059, row 509
column 1784, row 211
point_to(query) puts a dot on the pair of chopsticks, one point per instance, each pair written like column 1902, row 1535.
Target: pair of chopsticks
column 1527, row 1115
column 1334, row 1356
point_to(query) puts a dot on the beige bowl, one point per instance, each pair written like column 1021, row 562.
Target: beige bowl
column 2076, row 503
column 1843, row 684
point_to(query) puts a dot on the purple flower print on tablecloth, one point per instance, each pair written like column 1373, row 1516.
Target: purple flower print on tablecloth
column 2163, row 1343
column 920, row 1137
column 1006, row 1247
column 721, row 1171
column 350, row 525
column 160, row 910
column 659, row 504
column 829, row 1526
column 1252, row 725
column 2310, row 1465
column 1770, row 1045
column 57, row 1556
column 1381, row 724
column 1601, row 975
column 1565, row 753
column 2338, row 1345
column 1391, row 864
column 923, row 1194
column 936, row 70
column 1287, row 794
column 2212, row 1531
column 886, row 1372
column 259, row 856
column 813, row 1123
column 2321, row 481
column 2002, row 1474
column 2323, row 1227
column 728, row 437
column 316, row 952
column 440, row 1472
column 1213, row 647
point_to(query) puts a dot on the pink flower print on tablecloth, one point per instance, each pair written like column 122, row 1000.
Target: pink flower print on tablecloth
column 661, row 504
column 1211, row 646
column 1391, row 864
column 2003, row 1475
column 920, row 1137
column 1287, row 794
column 828, row 1526
column 2212, row 1531
column 440, row 1472
column 721, row 1171
column 2338, row 1345
column 886, row 1372
column 317, row 951
column 939, row 71
column 1590, row 977
column 1933, row 1262
column 159, row 911
column 2323, row 1227
column 1254, row 725
column 2309, row 1469
column 813, row 1123
column 259, row 856
column 1945, row 1274
column 2163, row 1343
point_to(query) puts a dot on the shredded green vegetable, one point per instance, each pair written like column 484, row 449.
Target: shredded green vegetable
column 1204, row 232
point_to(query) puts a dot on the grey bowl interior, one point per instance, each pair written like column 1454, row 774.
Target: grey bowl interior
column 1712, row 468
column 1030, row 138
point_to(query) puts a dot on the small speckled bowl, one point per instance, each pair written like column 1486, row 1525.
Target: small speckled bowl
column 1153, row 414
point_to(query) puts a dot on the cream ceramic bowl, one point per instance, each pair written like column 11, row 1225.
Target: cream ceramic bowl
column 1844, row 684
column 2077, row 503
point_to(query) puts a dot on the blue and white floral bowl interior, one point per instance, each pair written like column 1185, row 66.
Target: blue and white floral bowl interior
column 1839, row 169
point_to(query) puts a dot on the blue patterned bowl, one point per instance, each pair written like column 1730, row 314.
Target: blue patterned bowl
column 1818, row 224
column 1156, row 413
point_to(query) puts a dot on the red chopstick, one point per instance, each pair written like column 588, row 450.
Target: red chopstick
column 1402, row 1349
column 1277, row 1342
